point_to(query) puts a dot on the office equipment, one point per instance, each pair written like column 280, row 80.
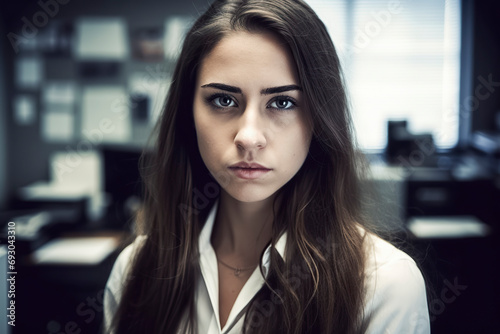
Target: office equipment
column 406, row 148
column 122, row 184
column 487, row 142
column 75, row 180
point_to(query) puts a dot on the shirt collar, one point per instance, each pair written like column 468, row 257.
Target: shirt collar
column 206, row 232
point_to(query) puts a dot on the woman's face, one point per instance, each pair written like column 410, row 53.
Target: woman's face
column 250, row 125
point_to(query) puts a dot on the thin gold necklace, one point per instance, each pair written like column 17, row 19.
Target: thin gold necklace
column 237, row 271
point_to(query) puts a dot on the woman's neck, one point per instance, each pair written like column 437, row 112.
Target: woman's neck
column 242, row 230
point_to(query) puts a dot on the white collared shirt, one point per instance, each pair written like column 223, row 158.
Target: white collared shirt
column 395, row 298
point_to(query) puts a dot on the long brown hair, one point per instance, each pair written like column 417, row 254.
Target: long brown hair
column 318, row 286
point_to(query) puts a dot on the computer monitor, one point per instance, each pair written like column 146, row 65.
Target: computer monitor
column 122, row 183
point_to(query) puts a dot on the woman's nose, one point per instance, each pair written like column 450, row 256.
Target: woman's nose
column 250, row 135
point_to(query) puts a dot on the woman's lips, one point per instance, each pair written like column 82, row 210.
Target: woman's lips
column 248, row 171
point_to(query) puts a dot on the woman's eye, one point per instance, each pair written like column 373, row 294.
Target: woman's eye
column 223, row 101
column 282, row 103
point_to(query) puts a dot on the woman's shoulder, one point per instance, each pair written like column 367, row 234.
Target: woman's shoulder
column 117, row 279
column 396, row 296
column 386, row 265
column 381, row 253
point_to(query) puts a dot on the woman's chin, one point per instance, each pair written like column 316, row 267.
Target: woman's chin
column 249, row 195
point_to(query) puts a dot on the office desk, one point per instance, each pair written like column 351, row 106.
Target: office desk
column 462, row 275
column 61, row 298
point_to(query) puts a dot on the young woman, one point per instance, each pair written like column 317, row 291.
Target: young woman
column 251, row 222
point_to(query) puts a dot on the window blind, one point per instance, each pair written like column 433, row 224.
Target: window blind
column 401, row 60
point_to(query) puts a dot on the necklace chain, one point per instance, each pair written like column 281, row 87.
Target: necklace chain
column 237, row 271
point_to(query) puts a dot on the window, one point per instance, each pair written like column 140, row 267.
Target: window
column 401, row 60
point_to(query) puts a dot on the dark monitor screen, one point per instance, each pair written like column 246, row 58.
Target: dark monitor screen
column 122, row 183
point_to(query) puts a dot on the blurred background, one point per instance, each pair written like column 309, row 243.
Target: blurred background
column 82, row 84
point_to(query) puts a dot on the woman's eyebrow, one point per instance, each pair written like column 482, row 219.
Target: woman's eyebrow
column 267, row 91
column 220, row 86
column 279, row 89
